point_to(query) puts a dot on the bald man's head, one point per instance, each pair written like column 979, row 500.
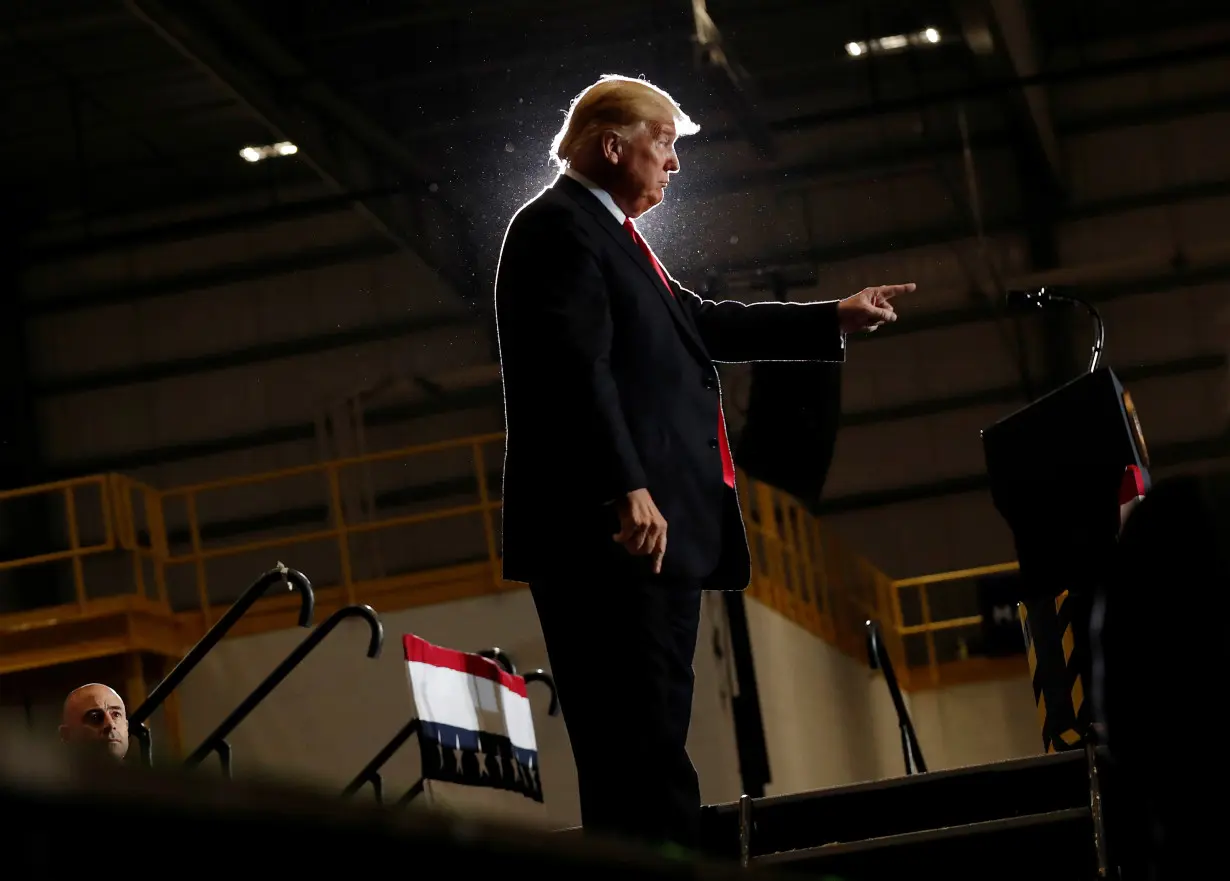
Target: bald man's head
column 95, row 717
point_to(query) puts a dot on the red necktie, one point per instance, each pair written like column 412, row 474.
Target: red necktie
column 728, row 462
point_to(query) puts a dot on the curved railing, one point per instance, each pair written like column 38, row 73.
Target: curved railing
column 419, row 525
column 880, row 659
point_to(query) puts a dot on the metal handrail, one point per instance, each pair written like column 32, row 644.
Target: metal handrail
column 75, row 551
column 878, row 658
column 163, row 690
column 371, row 771
column 216, row 741
column 497, row 654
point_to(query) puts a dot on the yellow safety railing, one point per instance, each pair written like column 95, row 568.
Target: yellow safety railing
column 806, row 573
column 180, row 550
column 90, row 531
column 340, row 529
column 927, row 629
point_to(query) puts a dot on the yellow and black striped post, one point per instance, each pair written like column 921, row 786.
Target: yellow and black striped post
column 1057, row 645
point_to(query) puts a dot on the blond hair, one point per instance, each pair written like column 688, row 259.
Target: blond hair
column 619, row 104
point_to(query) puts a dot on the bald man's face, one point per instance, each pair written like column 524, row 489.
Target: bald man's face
column 94, row 716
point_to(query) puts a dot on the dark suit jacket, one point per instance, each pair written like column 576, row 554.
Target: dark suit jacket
column 610, row 385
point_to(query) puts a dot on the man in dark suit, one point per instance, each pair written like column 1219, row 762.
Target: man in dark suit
column 615, row 432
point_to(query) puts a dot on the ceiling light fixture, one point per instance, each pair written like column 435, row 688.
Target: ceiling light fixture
column 256, row 154
column 894, row 43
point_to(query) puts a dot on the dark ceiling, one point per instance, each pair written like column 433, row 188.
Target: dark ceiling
column 437, row 116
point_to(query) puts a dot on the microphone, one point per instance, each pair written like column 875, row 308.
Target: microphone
column 1039, row 298
column 1030, row 298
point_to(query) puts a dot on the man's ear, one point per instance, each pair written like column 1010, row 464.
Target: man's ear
column 612, row 147
column 64, row 734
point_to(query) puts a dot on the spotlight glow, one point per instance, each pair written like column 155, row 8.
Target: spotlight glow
column 894, row 43
column 256, row 154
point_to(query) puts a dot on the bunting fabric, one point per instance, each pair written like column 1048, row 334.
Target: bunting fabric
column 475, row 726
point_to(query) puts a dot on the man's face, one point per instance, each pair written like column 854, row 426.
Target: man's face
column 645, row 164
column 95, row 717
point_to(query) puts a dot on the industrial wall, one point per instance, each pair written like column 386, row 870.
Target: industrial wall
column 829, row 720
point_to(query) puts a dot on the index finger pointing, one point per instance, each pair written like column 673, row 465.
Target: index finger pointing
column 889, row 291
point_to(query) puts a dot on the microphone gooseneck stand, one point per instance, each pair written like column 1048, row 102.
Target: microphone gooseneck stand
column 1040, row 298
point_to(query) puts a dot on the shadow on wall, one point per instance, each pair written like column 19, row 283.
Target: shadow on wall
column 338, row 708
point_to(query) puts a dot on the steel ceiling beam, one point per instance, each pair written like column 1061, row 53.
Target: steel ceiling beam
column 946, row 235
column 991, row 89
column 351, row 153
column 1001, row 37
column 733, row 84
column 996, row 86
column 439, row 13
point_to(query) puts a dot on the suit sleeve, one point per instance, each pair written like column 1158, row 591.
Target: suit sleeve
column 772, row 331
column 559, row 295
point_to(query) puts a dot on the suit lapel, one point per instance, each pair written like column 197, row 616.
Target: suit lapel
column 624, row 241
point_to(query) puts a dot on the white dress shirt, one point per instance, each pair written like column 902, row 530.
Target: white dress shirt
column 602, row 195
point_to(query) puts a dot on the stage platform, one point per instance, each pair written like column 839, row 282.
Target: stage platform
column 1019, row 820
column 1025, row 819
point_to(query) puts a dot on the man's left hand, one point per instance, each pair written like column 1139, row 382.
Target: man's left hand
column 870, row 307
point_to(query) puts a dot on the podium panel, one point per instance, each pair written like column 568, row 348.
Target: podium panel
column 1055, row 468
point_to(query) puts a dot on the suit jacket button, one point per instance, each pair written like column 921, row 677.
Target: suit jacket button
column 710, row 382
column 713, row 443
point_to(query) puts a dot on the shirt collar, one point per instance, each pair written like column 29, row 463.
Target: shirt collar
column 600, row 194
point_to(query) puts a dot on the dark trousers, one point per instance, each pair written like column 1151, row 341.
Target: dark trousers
column 621, row 653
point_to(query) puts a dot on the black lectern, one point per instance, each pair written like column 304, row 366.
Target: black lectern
column 1055, row 469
